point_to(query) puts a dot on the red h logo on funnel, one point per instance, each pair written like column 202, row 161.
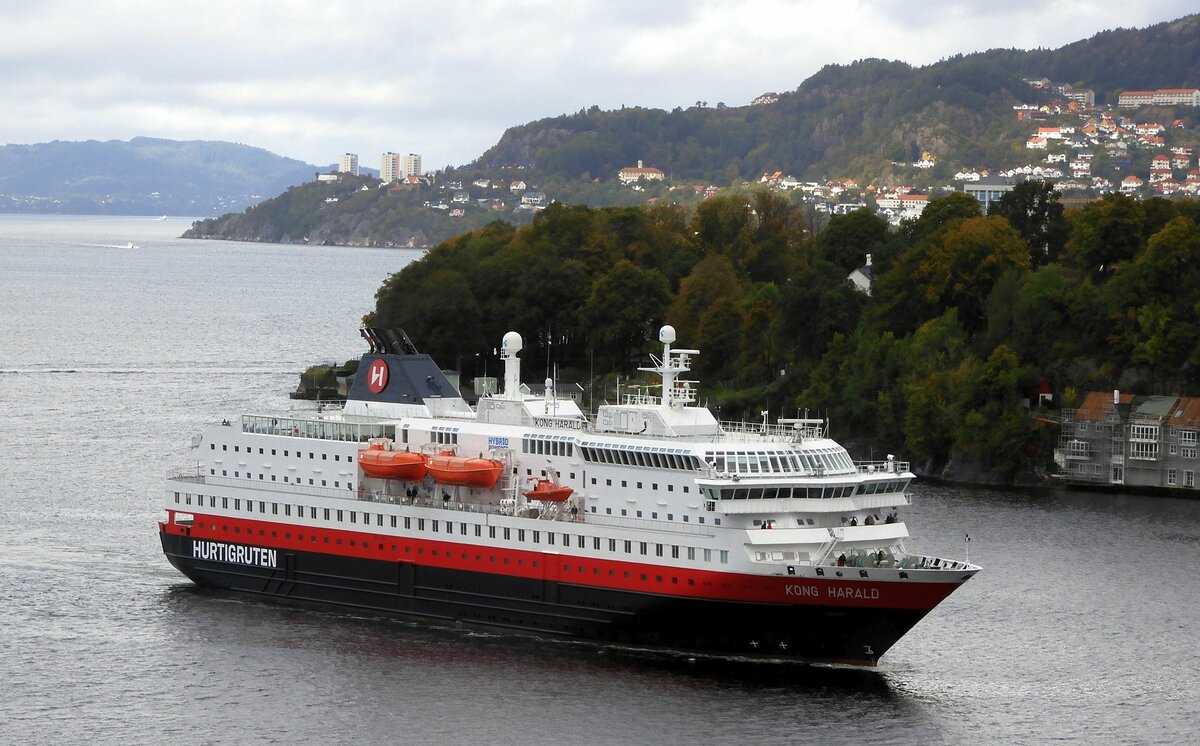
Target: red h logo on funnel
column 377, row 376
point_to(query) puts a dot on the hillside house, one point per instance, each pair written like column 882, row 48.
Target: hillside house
column 634, row 174
column 863, row 276
column 1085, row 97
column 912, row 205
column 1160, row 97
column 991, row 189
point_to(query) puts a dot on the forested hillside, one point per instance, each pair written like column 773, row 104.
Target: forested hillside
column 967, row 313
column 856, row 120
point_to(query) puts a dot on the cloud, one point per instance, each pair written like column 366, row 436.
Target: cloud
column 311, row 79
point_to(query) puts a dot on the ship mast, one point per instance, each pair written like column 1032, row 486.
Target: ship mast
column 675, row 390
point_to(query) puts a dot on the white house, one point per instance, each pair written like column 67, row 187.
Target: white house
column 863, row 276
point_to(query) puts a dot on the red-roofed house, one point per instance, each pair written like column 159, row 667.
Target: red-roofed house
column 1131, row 184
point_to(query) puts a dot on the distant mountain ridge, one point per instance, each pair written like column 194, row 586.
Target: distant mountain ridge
column 144, row 175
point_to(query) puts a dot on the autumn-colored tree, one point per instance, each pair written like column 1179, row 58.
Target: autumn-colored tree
column 965, row 262
column 711, row 279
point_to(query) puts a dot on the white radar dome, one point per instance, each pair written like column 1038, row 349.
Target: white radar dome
column 666, row 334
column 511, row 342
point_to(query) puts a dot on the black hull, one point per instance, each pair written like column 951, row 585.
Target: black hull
column 811, row 632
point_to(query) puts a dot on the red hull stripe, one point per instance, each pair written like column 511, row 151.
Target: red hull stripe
column 558, row 564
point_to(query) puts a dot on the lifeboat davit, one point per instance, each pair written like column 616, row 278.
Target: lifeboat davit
column 467, row 472
column 376, row 461
column 544, row 489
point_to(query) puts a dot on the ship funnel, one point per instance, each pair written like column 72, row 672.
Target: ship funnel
column 509, row 347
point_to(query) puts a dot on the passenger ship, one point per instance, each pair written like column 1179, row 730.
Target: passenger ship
column 652, row 524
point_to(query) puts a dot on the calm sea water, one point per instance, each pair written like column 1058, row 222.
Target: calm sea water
column 1081, row 629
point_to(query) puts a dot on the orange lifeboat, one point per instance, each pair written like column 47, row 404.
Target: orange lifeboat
column 376, row 461
column 544, row 489
column 447, row 468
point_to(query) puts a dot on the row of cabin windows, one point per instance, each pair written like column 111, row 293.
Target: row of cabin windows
column 448, row 527
column 286, row 452
column 654, row 515
column 653, row 485
column 548, row 445
column 772, row 493
column 337, row 483
column 652, row 459
column 834, row 460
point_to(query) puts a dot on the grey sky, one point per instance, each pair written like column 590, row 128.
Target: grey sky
column 312, row 79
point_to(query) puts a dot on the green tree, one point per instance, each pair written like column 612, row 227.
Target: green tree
column 1034, row 209
column 720, row 338
column 624, row 309
column 1104, row 234
column 849, row 238
column 939, row 215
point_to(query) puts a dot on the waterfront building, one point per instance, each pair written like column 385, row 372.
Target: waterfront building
column 348, row 164
column 1130, row 440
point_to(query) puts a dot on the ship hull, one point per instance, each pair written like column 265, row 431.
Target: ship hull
column 837, row 633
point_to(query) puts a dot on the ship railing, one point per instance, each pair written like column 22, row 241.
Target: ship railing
column 425, row 501
column 759, row 431
column 281, row 487
column 303, row 427
column 926, row 562
column 882, row 467
column 694, row 529
column 824, row 554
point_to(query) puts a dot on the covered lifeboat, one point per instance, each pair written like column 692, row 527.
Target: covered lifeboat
column 544, row 489
column 377, row 461
column 446, row 468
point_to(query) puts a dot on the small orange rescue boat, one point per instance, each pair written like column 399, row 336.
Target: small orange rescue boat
column 544, row 489
column 376, row 461
column 447, row 468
